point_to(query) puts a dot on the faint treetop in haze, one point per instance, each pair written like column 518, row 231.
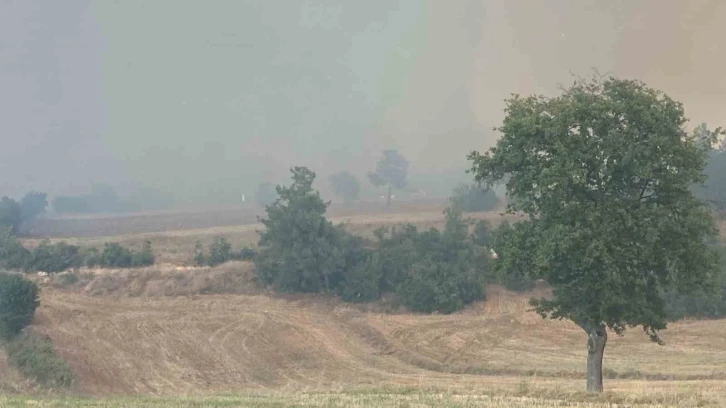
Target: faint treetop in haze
column 345, row 185
column 391, row 171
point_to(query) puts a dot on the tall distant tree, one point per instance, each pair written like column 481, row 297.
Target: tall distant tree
column 391, row 172
column 11, row 215
column 345, row 185
column 604, row 173
column 32, row 205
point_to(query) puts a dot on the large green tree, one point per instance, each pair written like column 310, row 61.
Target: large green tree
column 603, row 173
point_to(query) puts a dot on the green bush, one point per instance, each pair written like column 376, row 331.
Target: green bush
column 473, row 198
column 35, row 358
column 11, row 214
column 18, row 301
column 12, row 253
column 482, row 234
column 114, row 255
column 220, row 251
column 144, row 257
column 701, row 304
column 435, row 286
column 515, row 278
column 58, row 257
column 300, row 249
column 363, row 282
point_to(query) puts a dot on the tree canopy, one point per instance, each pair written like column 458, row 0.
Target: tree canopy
column 391, row 171
column 345, row 185
column 603, row 173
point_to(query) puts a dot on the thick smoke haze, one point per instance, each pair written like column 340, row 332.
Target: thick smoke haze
column 206, row 99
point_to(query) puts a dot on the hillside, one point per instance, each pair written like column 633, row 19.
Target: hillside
column 136, row 342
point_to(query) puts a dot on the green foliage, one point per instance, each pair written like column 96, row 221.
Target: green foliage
column 345, row 185
column 432, row 270
column 220, row 251
column 12, row 253
column 482, row 234
column 437, row 286
column 603, row 173
column 114, row 255
column 143, row 257
column 709, row 303
column 18, row 301
column 363, row 282
column 391, row 171
column 11, row 214
column 509, row 272
column 300, row 250
column 473, row 198
column 49, row 257
column 101, row 199
column 32, row 205
column 265, row 194
column 35, row 358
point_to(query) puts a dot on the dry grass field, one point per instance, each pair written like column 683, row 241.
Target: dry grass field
column 176, row 245
column 180, row 336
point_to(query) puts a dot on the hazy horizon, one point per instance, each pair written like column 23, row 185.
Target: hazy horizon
column 207, row 99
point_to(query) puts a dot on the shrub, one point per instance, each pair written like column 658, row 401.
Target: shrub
column 11, row 215
column 300, row 250
column 220, row 251
column 515, row 277
column 115, row 255
column 12, row 253
column 363, row 282
column 482, row 234
column 444, row 287
column 345, row 185
column 48, row 257
column 144, row 257
column 473, row 198
column 32, row 205
column 702, row 304
column 35, row 358
column 18, row 301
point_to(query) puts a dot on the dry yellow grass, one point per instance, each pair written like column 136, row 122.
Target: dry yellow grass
column 177, row 246
column 211, row 344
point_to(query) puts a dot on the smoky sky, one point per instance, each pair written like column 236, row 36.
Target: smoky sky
column 202, row 97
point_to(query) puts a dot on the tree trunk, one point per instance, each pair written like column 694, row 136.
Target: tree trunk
column 388, row 203
column 596, row 339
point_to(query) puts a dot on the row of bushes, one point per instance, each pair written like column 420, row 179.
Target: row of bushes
column 33, row 355
column 302, row 251
column 219, row 252
column 47, row 257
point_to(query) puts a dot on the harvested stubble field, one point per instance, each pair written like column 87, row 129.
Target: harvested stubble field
column 178, row 336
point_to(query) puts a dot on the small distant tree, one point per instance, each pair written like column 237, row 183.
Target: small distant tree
column 18, row 301
column 11, row 214
column 391, row 171
column 345, row 185
column 604, row 174
column 473, row 198
column 265, row 194
column 32, row 205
